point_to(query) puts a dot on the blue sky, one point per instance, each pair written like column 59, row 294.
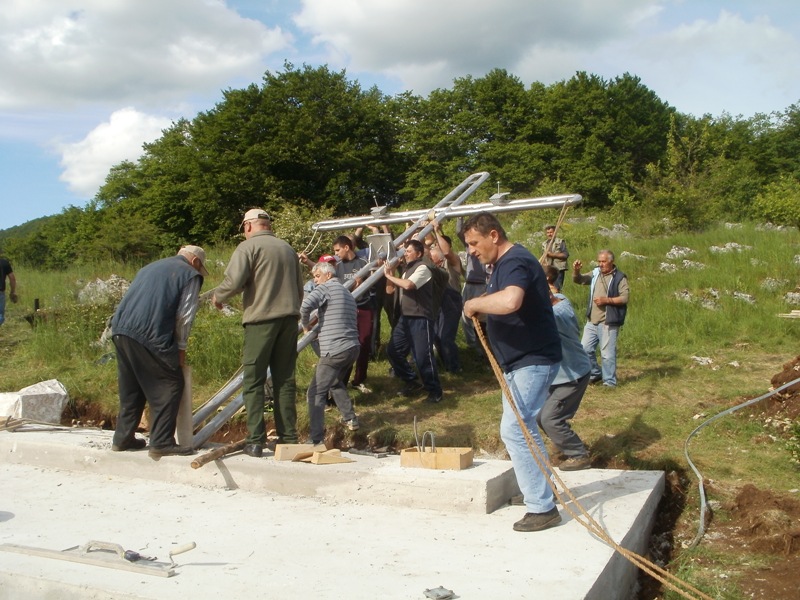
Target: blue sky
column 84, row 83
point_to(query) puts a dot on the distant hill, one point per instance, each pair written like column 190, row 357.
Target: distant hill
column 23, row 230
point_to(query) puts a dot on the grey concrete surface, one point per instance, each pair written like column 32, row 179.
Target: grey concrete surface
column 264, row 529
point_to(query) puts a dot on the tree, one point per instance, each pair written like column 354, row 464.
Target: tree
column 603, row 134
column 481, row 124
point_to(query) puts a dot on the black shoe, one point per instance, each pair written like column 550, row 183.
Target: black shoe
column 434, row 398
column 412, row 388
column 134, row 444
column 538, row 521
column 254, row 450
column 595, row 378
column 170, row 451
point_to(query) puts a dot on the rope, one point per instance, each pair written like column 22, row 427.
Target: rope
column 666, row 578
column 312, row 244
column 550, row 242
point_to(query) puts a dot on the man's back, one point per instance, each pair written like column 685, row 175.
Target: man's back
column 266, row 270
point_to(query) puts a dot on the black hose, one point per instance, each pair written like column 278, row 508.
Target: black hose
column 702, row 525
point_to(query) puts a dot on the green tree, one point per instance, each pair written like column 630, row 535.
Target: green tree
column 483, row 124
column 603, row 134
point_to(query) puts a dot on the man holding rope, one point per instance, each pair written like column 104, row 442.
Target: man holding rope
column 524, row 338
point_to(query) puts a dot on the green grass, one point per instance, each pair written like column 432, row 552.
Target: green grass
column 663, row 395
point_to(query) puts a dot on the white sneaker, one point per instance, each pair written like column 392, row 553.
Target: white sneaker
column 362, row 388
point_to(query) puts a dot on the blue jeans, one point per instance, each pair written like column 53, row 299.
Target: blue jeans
column 415, row 335
column 529, row 386
column 604, row 336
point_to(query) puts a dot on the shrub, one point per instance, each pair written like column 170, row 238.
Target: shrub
column 780, row 202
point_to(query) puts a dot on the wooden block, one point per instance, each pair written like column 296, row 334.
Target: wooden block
column 329, row 457
column 290, row 451
column 449, row 459
column 325, row 457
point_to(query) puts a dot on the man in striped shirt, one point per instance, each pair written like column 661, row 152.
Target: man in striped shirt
column 338, row 347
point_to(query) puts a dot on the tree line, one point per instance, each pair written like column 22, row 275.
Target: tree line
column 310, row 141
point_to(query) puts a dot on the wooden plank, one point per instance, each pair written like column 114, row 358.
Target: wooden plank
column 98, row 559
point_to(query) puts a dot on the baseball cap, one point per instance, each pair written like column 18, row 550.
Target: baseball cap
column 253, row 214
column 327, row 258
column 200, row 254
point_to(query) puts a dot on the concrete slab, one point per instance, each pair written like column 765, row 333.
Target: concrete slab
column 484, row 487
column 368, row 529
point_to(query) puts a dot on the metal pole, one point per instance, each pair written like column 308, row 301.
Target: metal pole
column 455, row 197
column 457, row 211
column 450, row 206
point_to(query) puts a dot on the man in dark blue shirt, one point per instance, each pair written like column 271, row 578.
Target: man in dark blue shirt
column 524, row 337
column 150, row 332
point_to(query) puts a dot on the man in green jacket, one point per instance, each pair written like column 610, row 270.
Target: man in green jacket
column 265, row 270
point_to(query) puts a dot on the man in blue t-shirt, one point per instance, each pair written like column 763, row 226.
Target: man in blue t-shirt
column 523, row 335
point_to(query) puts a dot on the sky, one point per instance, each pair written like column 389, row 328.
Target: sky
column 84, row 83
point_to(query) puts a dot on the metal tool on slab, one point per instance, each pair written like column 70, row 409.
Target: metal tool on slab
column 368, row 453
column 107, row 554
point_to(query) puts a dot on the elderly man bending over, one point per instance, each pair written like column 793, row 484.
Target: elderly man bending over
column 338, row 347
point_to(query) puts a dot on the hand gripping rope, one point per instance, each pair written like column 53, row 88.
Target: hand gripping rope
column 668, row 579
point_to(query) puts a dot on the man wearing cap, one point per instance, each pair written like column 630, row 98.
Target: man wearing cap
column 265, row 270
column 150, row 331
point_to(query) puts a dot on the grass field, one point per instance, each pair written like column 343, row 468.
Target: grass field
column 721, row 304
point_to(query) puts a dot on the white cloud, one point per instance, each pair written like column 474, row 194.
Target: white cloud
column 696, row 56
column 56, row 55
column 86, row 163
column 729, row 62
column 427, row 44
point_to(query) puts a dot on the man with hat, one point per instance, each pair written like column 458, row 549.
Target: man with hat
column 265, row 270
column 150, row 332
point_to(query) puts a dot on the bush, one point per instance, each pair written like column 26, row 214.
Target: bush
column 780, row 202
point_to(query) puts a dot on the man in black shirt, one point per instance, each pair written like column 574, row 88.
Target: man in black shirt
column 524, row 337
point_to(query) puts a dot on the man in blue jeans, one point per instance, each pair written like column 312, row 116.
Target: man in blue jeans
column 525, row 341
column 608, row 305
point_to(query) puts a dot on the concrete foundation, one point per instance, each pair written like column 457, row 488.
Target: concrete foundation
column 366, row 529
